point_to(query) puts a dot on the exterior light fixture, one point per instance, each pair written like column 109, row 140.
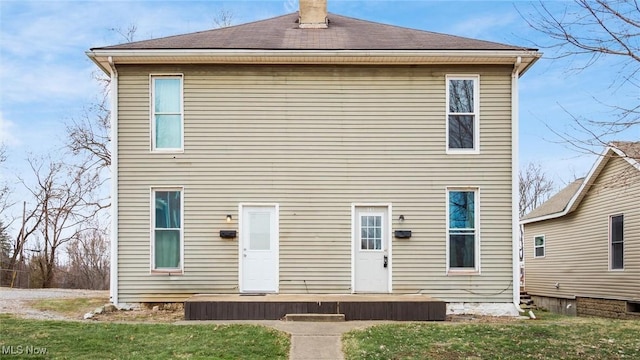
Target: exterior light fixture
column 229, row 218
column 401, row 218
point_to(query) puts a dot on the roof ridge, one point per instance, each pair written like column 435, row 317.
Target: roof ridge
column 343, row 33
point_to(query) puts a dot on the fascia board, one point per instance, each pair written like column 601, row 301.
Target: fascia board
column 99, row 56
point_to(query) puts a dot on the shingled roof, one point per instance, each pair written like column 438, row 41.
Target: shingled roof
column 569, row 198
column 557, row 203
column 343, row 33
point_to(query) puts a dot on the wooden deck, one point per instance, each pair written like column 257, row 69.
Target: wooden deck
column 354, row 306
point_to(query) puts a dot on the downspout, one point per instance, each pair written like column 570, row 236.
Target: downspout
column 515, row 108
column 113, row 285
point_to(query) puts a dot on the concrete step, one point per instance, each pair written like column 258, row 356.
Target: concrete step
column 314, row 317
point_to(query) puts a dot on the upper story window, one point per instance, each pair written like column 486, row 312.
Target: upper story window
column 462, row 114
column 616, row 241
column 538, row 246
column 463, row 239
column 166, row 113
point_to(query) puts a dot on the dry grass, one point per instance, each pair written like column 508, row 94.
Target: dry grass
column 73, row 308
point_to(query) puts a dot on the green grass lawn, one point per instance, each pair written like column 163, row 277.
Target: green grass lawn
column 556, row 338
column 21, row 338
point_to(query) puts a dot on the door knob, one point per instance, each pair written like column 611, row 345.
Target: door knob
column 386, row 261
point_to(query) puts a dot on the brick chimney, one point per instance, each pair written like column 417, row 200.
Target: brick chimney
column 313, row 14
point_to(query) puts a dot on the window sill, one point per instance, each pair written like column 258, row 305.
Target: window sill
column 462, row 152
column 167, row 272
column 167, row 151
column 463, row 272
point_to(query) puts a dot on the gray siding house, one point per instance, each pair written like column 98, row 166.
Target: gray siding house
column 582, row 246
column 313, row 153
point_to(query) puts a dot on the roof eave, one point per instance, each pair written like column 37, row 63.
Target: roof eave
column 250, row 56
column 545, row 217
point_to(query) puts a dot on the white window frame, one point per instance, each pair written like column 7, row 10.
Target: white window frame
column 152, row 112
column 476, row 113
column 611, row 268
column 476, row 202
column 544, row 247
column 153, row 269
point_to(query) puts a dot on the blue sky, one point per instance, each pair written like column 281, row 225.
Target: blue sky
column 46, row 78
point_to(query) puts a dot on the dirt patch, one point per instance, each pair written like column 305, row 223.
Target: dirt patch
column 481, row 319
column 141, row 315
column 19, row 301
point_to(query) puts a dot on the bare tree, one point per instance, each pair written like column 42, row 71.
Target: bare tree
column 535, row 188
column 5, row 246
column 13, row 249
column 224, row 18
column 90, row 136
column 5, row 204
column 65, row 199
column 89, row 261
column 592, row 30
column 127, row 34
column 31, row 220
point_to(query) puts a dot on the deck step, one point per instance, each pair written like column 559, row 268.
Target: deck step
column 315, row 317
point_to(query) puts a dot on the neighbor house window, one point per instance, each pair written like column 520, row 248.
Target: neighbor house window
column 538, row 246
column 463, row 229
column 462, row 113
column 616, row 239
column 166, row 112
column 167, row 229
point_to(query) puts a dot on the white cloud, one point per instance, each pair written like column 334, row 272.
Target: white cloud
column 291, row 6
column 7, row 136
column 485, row 26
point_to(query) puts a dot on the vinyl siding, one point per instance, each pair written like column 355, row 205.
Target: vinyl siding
column 315, row 140
column 577, row 245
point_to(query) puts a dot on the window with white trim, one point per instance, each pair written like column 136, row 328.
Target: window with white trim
column 462, row 229
column 462, row 113
column 538, row 246
column 616, row 241
column 166, row 217
column 166, row 113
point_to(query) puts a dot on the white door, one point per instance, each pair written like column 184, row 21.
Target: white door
column 259, row 249
column 371, row 255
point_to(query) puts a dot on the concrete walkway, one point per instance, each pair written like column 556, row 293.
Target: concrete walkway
column 309, row 340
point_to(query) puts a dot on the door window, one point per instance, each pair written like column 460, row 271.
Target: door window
column 259, row 231
column 371, row 232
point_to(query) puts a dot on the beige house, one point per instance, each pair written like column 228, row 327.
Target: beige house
column 313, row 153
column 582, row 246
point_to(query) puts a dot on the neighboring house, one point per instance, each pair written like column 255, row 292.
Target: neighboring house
column 582, row 246
column 285, row 156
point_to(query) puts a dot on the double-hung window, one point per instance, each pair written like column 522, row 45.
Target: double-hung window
column 166, row 113
column 462, row 114
column 167, row 231
column 616, row 241
column 462, row 229
column 538, row 246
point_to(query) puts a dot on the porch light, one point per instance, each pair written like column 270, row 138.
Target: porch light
column 229, row 218
column 401, row 218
